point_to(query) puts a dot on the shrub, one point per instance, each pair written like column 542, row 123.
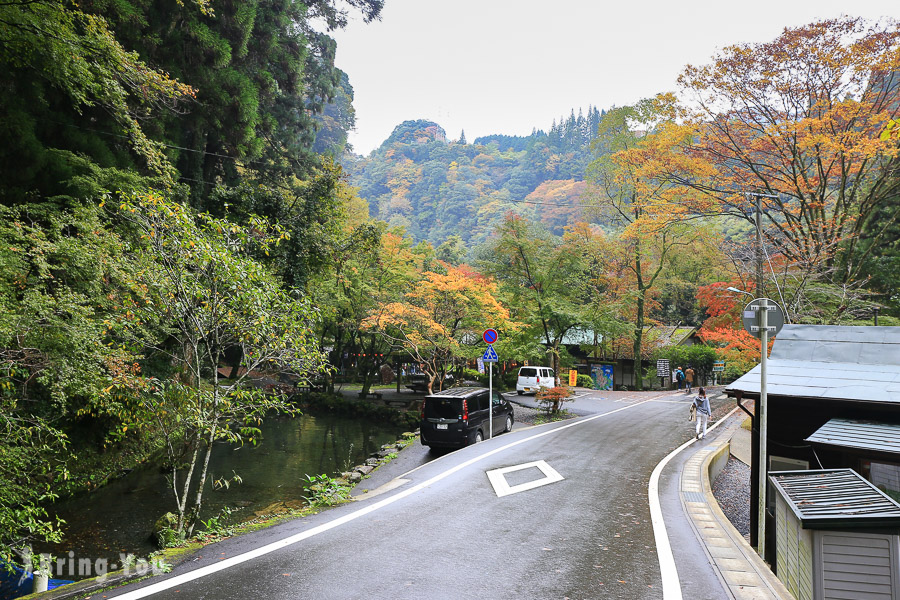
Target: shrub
column 699, row 356
column 585, row 381
column 551, row 399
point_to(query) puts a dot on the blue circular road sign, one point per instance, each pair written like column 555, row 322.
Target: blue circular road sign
column 489, row 336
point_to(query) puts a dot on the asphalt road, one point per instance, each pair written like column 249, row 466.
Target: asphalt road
column 445, row 532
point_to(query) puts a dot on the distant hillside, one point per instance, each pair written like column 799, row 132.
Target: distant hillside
column 436, row 188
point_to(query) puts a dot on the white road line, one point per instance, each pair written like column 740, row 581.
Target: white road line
column 671, row 583
column 497, row 477
column 299, row 537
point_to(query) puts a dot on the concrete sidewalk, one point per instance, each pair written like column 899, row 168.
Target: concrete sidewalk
column 740, row 444
column 743, row 573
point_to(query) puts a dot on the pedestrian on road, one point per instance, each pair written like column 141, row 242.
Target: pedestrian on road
column 701, row 402
column 679, row 377
column 689, row 378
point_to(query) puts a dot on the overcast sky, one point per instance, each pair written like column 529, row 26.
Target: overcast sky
column 507, row 66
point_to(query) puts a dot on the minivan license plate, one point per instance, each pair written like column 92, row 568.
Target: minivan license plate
column 527, row 389
column 441, row 426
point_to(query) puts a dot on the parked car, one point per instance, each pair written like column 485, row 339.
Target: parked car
column 459, row 416
column 531, row 379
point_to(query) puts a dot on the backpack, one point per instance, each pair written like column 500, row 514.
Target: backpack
column 680, row 375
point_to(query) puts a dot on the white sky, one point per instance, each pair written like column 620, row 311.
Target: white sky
column 506, row 66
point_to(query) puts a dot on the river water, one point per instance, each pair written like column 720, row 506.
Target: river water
column 118, row 518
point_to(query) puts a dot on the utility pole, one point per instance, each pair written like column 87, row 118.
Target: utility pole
column 760, row 290
column 762, row 419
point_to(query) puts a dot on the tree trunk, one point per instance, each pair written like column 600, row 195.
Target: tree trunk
column 639, row 321
column 198, row 499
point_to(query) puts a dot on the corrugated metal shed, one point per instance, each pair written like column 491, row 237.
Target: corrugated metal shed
column 831, row 362
column 835, row 498
column 863, row 435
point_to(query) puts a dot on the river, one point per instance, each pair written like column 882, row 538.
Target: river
column 118, row 518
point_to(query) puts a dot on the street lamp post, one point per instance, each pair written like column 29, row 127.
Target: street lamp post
column 756, row 322
column 763, row 426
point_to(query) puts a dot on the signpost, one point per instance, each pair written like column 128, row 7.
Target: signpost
column 490, row 357
column 762, row 317
column 663, row 371
column 718, row 367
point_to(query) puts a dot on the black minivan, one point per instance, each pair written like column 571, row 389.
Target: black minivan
column 459, row 416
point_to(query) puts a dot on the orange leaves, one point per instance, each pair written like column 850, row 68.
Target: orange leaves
column 804, row 117
column 440, row 311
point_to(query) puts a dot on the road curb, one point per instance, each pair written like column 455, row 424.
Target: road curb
column 742, row 572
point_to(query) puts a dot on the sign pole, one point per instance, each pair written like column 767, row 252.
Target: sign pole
column 490, row 336
column 491, row 400
column 763, row 426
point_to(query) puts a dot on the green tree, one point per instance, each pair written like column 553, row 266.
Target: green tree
column 639, row 148
column 61, row 276
column 535, row 270
column 377, row 268
column 206, row 296
column 72, row 88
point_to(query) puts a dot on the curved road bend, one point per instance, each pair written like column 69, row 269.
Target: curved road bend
column 447, row 533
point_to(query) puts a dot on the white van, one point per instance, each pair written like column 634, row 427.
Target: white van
column 531, row 379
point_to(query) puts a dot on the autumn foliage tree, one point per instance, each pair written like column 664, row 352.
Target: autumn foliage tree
column 804, row 118
column 639, row 149
column 724, row 330
column 443, row 313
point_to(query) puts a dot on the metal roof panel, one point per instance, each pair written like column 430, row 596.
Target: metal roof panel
column 831, row 498
column 864, row 435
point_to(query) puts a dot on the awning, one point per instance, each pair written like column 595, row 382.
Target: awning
column 835, row 498
column 874, row 436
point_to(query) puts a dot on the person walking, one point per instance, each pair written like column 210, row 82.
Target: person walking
column 679, row 377
column 701, row 403
column 689, row 378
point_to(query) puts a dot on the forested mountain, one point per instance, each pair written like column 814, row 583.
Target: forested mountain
column 435, row 187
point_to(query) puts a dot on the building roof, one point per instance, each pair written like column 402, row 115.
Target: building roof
column 655, row 336
column 580, row 336
column 835, row 498
column 863, row 435
column 830, row 362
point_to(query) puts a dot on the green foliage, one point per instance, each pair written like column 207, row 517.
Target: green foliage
column 585, row 381
column 542, row 279
column 332, row 403
column 322, row 490
column 202, row 296
column 30, row 469
column 552, row 417
column 64, row 65
column 698, row 356
column 215, row 527
column 482, row 378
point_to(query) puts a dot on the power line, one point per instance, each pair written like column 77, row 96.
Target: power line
column 170, row 146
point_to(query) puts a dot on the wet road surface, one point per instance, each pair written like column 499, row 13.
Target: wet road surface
column 446, row 532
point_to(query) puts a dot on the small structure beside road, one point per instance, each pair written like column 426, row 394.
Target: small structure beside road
column 837, row 536
column 828, row 387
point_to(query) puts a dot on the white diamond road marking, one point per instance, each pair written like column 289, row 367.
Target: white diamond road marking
column 497, row 478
